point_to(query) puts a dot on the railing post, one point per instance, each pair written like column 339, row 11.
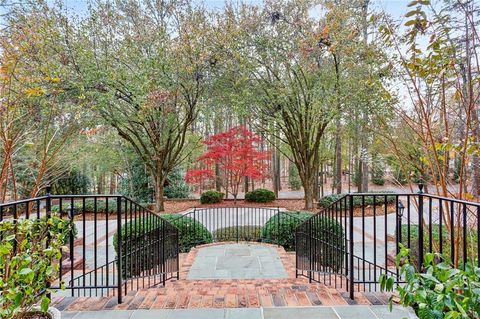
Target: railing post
column 177, row 252
column 120, row 243
column 296, row 254
column 350, row 244
column 310, row 259
column 48, row 212
column 164, row 264
column 236, row 223
column 420, row 226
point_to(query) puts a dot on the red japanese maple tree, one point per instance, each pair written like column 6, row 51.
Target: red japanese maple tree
column 237, row 153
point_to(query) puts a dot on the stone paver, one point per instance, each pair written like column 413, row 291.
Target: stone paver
column 237, row 261
column 350, row 312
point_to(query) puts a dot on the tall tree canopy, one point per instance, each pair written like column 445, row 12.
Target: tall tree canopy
column 145, row 66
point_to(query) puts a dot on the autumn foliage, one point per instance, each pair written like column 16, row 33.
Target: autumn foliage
column 237, row 154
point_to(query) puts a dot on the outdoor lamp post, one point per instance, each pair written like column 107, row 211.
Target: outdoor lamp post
column 400, row 209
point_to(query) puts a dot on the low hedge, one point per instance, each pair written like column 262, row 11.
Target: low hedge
column 211, row 197
column 136, row 233
column 240, row 233
column 260, row 195
column 280, row 228
column 89, row 206
column 357, row 200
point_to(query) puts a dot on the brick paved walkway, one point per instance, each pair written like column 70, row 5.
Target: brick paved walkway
column 226, row 293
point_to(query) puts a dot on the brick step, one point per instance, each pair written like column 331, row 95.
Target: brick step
column 224, row 294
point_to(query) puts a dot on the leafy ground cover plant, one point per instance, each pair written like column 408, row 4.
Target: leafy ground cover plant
column 441, row 291
column 29, row 260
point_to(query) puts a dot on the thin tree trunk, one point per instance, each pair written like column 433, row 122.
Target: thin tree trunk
column 364, row 145
column 275, row 171
column 338, row 159
column 309, row 190
column 159, row 201
column 113, row 183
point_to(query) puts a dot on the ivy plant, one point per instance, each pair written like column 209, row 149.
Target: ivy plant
column 441, row 291
column 30, row 254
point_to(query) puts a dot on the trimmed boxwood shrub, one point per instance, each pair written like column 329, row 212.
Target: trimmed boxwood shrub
column 260, row 195
column 211, row 197
column 135, row 233
column 245, row 233
column 280, row 228
column 139, row 231
column 357, row 200
column 190, row 231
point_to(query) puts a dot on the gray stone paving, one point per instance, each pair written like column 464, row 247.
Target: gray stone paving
column 237, row 261
column 336, row 312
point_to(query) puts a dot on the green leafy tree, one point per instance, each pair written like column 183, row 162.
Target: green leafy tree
column 146, row 66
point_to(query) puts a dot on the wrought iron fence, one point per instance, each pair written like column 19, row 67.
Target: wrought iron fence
column 373, row 226
column 111, row 248
column 220, row 224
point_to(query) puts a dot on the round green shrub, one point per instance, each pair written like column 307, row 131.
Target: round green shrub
column 190, row 231
column 260, row 195
column 137, row 257
column 380, row 181
column 211, row 197
column 280, row 228
column 329, row 240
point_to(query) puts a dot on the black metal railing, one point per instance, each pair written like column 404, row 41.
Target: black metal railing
column 373, row 226
column 99, row 259
column 220, row 224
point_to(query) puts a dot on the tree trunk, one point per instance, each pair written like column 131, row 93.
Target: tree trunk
column 159, row 201
column 309, row 190
column 364, row 168
column 338, row 159
column 275, row 170
column 218, row 178
column 101, row 183
column 113, row 183
column 365, row 146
